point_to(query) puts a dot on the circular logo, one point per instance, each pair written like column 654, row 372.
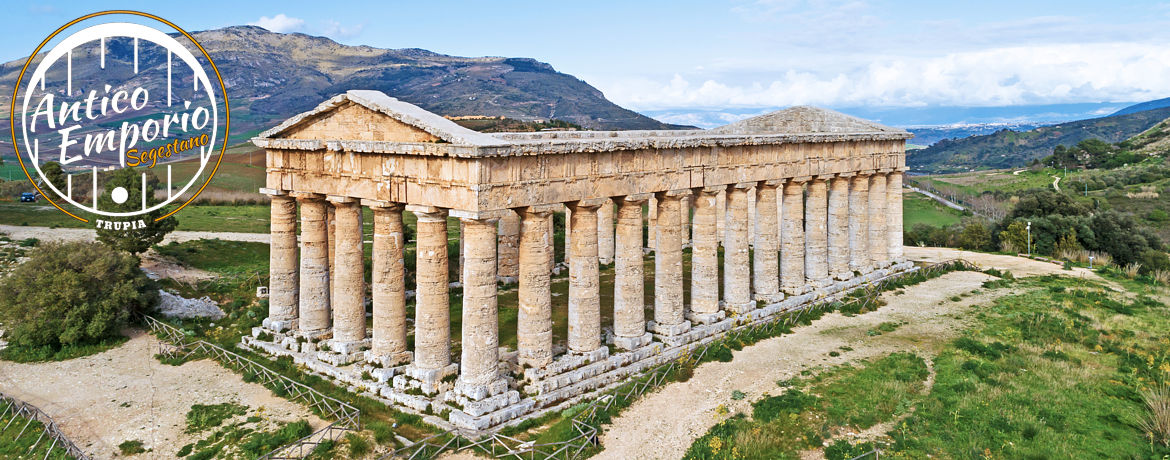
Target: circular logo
column 114, row 96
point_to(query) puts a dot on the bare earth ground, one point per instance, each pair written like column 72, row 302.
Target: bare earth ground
column 17, row 232
column 126, row 394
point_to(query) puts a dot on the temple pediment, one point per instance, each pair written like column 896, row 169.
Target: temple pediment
column 804, row 119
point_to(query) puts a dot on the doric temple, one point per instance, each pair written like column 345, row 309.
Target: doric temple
column 804, row 203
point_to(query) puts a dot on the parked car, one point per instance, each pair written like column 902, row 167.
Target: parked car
column 28, row 197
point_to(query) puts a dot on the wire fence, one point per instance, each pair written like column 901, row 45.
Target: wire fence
column 587, row 423
column 49, row 431
column 174, row 343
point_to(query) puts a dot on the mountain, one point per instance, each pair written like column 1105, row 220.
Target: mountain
column 272, row 76
column 1007, row 148
column 928, row 135
column 1144, row 106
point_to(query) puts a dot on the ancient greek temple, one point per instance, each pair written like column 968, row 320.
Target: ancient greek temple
column 803, row 204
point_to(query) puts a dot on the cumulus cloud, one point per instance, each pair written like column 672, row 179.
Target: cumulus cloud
column 1045, row 74
column 280, row 23
column 331, row 28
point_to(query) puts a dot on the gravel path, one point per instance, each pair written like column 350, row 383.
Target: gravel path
column 17, row 232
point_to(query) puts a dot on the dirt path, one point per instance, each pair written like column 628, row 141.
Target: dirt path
column 1056, row 183
column 126, row 394
column 1019, row 266
column 17, row 232
column 665, row 423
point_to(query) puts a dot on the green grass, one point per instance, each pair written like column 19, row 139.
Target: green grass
column 920, row 209
column 219, row 256
column 203, row 417
column 131, row 447
column 13, row 448
column 23, row 354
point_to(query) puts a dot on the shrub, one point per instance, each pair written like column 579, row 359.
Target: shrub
column 358, row 446
column 792, row 401
column 73, row 294
column 131, row 447
column 1156, row 423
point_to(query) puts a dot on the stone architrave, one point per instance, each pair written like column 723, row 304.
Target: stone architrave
column 839, row 228
column 388, row 345
column 349, row 309
column 432, row 324
column 877, row 221
column 629, row 303
column 859, row 224
column 584, row 285
column 894, row 215
column 765, row 262
column 792, row 241
column 705, row 257
column 816, row 233
column 283, row 268
column 534, row 323
column 737, row 276
column 669, row 317
column 315, row 315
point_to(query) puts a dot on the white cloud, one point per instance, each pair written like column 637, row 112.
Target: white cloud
column 280, row 23
column 331, row 28
column 996, row 76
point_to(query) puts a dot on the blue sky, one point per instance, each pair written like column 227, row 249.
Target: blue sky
column 691, row 55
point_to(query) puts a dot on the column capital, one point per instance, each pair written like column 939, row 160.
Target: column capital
column 273, row 192
column 799, row 179
column 379, row 205
column 845, row 175
column 772, row 183
column 593, row 203
column 540, row 210
column 339, row 199
column 424, row 209
column 681, row 193
column 710, row 190
column 478, row 215
column 637, row 198
column 885, row 170
column 307, row 195
column 867, row 172
column 741, row 186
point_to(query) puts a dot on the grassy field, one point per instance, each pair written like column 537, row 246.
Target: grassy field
column 974, row 183
column 1055, row 370
column 13, row 447
column 920, row 209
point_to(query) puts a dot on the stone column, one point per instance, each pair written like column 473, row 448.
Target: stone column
column 705, row 257
column 737, row 287
column 282, row 265
column 816, row 234
column 388, row 346
column 894, row 213
column 652, row 223
column 721, row 216
column 765, row 263
column 551, row 240
column 877, row 221
column 668, row 272
column 629, row 297
column 534, row 325
column 331, row 228
column 432, row 322
column 584, row 286
column 479, row 361
column 839, row 228
column 684, row 214
column 792, row 241
column 349, row 309
column 568, row 235
column 508, row 249
column 605, row 243
column 859, row 224
column 315, row 316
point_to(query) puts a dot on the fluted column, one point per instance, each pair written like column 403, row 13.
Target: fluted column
column 331, row 245
column 568, row 235
column 859, row 224
column 668, row 272
column 584, row 286
column 282, row 265
column 765, row 263
column 816, row 234
column 479, row 360
column 605, row 244
column 349, row 309
column 432, row 322
column 839, row 228
column 721, row 216
column 534, row 324
column 315, row 316
column 684, row 214
column 508, row 249
column 629, row 297
column 792, row 239
column 877, row 221
column 894, row 213
column 388, row 345
column 737, row 292
column 652, row 223
column 705, row 257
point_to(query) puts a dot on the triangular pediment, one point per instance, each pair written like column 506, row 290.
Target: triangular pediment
column 363, row 115
column 803, row 120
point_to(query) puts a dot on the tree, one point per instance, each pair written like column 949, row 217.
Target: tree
column 1040, row 203
column 134, row 241
column 73, row 294
column 975, row 236
column 54, row 174
column 1014, row 237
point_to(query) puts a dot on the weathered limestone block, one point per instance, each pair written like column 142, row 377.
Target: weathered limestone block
column 389, row 286
column 479, row 363
column 668, row 272
column 766, row 263
column 652, row 223
column 432, row 326
column 705, row 257
column 315, row 316
column 629, row 276
column 584, row 286
column 349, row 311
column 283, row 267
column 684, row 214
column 737, row 291
column 792, row 239
column 894, row 214
column 878, row 240
column 534, row 324
column 839, row 228
column 605, row 242
column 816, row 233
column 509, row 248
column 859, row 224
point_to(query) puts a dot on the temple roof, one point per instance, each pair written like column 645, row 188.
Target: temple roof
column 804, row 119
